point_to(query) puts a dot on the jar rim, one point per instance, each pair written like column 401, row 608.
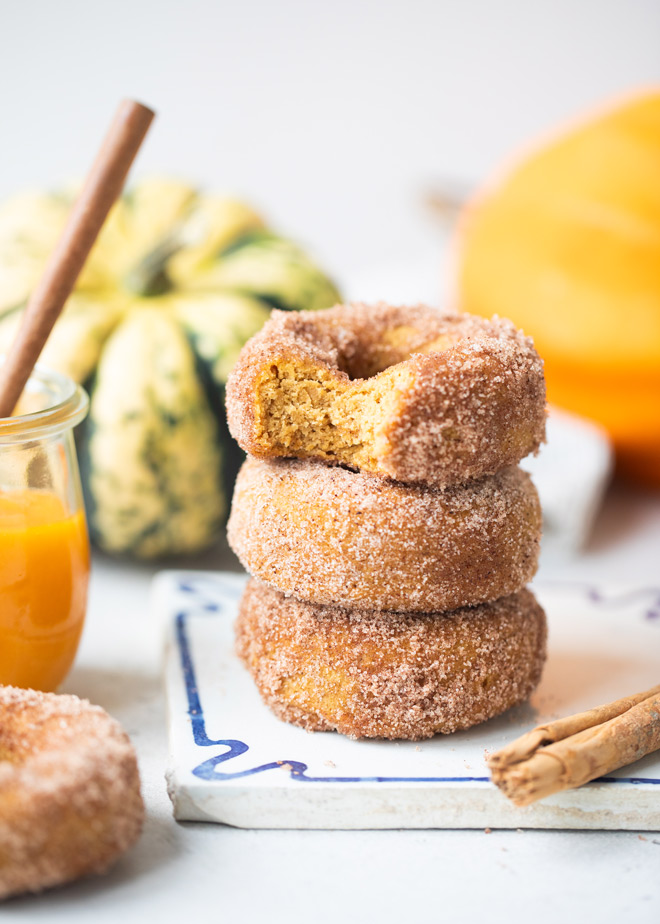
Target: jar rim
column 69, row 408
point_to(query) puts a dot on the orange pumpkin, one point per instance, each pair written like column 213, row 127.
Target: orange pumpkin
column 567, row 244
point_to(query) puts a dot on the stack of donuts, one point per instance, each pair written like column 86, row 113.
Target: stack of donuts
column 382, row 513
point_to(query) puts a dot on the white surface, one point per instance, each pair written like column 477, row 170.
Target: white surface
column 188, row 869
column 336, row 118
column 232, row 761
column 571, row 472
column 179, row 871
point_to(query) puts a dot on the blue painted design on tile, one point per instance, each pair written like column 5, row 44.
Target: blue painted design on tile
column 647, row 598
column 298, row 771
column 195, row 710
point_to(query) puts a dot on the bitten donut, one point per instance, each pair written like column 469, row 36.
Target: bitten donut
column 345, row 538
column 387, row 675
column 416, row 394
column 70, row 800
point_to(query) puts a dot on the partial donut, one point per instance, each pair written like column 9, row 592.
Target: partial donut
column 345, row 538
column 386, row 675
column 70, row 800
column 413, row 393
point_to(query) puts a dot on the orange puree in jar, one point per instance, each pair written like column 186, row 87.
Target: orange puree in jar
column 44, row 571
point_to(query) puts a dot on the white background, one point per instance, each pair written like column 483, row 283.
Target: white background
column 336, row 118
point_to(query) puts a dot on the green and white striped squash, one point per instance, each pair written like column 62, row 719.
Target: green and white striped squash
column 176, row 284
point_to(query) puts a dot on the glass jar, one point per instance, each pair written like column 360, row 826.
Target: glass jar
column 44, row 549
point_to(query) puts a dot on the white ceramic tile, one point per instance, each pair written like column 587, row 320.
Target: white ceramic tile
column 232, row 761
column 571, row 473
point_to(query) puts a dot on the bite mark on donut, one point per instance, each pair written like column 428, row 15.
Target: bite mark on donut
column 306, row 411
column 411, row 393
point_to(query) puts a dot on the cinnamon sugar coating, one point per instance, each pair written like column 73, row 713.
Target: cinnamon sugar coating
column 70, row 800
column 419, row 395
column 338, row 537
column 386, row 675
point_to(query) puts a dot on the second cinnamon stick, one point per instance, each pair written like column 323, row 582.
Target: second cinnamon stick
column 531, row 768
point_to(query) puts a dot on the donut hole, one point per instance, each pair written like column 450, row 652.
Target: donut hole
column 307, row 410
column 368, row 358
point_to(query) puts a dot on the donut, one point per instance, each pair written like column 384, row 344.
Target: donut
column 338, row 537
column 70, row 800
column 412, row 393
column 370, row 674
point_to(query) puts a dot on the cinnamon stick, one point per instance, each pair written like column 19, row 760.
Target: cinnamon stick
column 574, row 750
column 102, row 187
